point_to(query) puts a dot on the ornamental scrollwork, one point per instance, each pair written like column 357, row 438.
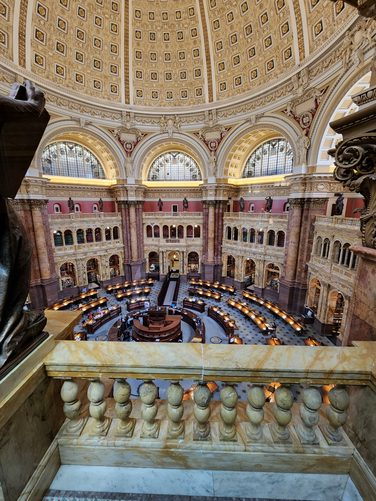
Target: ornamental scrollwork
column 355, row 161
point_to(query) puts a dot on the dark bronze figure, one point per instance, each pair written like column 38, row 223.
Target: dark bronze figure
column 268, row 204
column 241, row 204
column 160, row 204
column 185, row 203
column 338, row 207
column 70, row 204
column 23, row 120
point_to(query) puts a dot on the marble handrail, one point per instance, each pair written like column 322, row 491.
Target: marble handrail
column 260, row 364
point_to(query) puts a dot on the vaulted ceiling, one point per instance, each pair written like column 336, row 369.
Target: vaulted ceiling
column 166, row 53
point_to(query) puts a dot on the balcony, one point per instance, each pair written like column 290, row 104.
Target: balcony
column 80, row 216
column 167, row 215
column 106, row 425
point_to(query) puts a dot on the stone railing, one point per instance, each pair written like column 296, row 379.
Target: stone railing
column 73, row 216
column 164, row 215
column 107, row 425
column 350, row 223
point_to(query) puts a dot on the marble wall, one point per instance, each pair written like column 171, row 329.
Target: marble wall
column 27, row 435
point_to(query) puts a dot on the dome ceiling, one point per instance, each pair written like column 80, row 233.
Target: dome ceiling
column 166, row 53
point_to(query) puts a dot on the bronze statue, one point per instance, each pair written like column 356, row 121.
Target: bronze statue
column 23, row 120
column 241, row 204
column 185, row 203
column 268, row 204
column 70, row 204
column 100, row 205
column 338, row 207
column 160, row 204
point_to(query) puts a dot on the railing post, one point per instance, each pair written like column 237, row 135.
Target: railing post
column 201, row 410
column 149, row 409
column 123, row 409
column 175, row 410
column 72, row 406
column 229, row 399
column 336, row 414
column 98, row 424
column 309, row 413
column 255, row 413
column 282, row 413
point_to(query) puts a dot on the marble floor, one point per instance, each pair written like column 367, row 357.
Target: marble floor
column 102, row 483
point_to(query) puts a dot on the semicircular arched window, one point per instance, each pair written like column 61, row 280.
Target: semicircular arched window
column 65, row 158
column 270, row 158
column 174, row 166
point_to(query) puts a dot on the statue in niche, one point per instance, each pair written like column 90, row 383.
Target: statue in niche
column 268, row 204
column 241, row 204
column 23, row 121
column 160, row 204
column 338, row 207
column 70, row 205
column 100, row 205
column 185, row 203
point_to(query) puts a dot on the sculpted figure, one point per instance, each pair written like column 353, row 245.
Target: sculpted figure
column 185, row 203
column 23, row 120
column 338, row 208
column 268, row 204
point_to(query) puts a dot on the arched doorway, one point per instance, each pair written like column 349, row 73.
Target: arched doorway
column 272, row 277
column 314, row 292
column 114, row 263
column 193, row 262
column 336, row 304
column 153, row 262
column 92, row 269
column 230, row 269
column 67, row 275
column 173, row 261
column 249, row 272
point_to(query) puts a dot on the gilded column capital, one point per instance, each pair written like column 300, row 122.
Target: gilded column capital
column 355, row 161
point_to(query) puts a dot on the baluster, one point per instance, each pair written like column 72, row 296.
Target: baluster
column 72, row 406
column 149, row 409
column 336, row 414
column 175, row 410
column 201, row 410
column 98, row 423
column 123, row 408
column 229, row 399
column 282, row 413
column 255, row 413
column 309, row 413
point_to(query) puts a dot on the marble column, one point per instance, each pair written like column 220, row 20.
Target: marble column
column 211, row 264
column 44, row 283
column 131, row 216
column 293, row 283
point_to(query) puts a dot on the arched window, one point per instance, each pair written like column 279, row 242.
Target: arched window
column 173, row 231
column 251, row 207
column 166, row 233
column 325, row 248
column 98, row 235
column 95, row 207
column 77, row 208
column 189, row 231
column 270, row 237
column 174, row 166
column 65, row 158
column 318, row 246
column 149, row 231
column 57, row 208
column 115, row 232
column 272, row 157
column 180, row 231
column 197, row 231
column 156, row 231
column 228, row 233
column 89, row 235
column 337, row 251
column 244, row 235
column 235, row 233
column 346, row 255
column 260, row 237
column 80, row 236
column 114, row 263
column 353, row 261
column 58, row 238
column 281, row 239
column 107, row 233
column 286, row 207
column 252, row 235
column 68, row 237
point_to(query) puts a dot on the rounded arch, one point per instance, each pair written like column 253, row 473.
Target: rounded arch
column 100, row 142
column 335, row 309
column 157, row 144
column 328, row 107
column 67, row 273
column 314, row 292
column 239, row 144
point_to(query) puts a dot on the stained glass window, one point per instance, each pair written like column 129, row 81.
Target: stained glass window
column 65, row 158
column 270, row 158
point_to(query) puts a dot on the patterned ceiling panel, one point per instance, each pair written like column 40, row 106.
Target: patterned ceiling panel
column 77, row 44
column 6, row 30
column 168, row 54
column 252, row 44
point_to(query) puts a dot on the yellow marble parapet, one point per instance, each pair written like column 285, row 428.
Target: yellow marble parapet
column 318, row 365
column 60, row 323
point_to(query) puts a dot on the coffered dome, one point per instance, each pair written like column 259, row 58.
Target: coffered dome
column 167, row 53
